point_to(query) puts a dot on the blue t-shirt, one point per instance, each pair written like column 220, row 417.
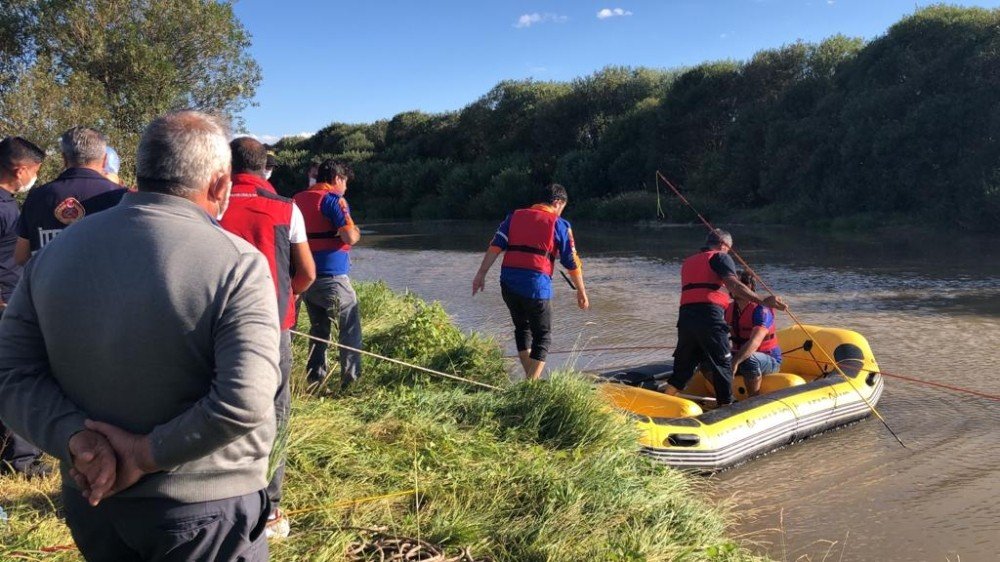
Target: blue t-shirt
column 533, row 284
column 764, row 316
column 334, row 262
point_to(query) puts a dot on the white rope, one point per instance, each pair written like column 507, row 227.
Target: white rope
column 398, row 362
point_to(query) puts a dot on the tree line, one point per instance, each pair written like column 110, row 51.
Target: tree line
column 115, row 65
column 904, row 128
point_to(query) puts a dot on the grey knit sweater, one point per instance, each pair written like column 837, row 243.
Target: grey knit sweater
column 150, row 317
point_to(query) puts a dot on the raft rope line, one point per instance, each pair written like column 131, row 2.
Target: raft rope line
column 960, row 389
column 660, row 176
column 397, row 361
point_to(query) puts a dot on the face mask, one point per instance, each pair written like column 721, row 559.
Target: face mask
column 24, row 188
column 267, row 174
column 224, row 204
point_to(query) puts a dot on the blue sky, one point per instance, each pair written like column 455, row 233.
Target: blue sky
column 363, row 60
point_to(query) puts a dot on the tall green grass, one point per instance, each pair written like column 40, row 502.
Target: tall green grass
column 538, row 471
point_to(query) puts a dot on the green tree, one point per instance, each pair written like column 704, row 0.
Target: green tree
column 135, row 59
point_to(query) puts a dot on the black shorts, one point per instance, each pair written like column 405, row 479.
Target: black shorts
column 532, row 322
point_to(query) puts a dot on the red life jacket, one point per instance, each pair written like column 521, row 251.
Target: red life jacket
column 700, row 283
column 323, row 236
column 740, row 328
column 260, row 216
column 531, row 242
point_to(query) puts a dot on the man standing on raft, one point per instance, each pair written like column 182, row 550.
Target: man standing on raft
column 532, row 238
column 702, row 331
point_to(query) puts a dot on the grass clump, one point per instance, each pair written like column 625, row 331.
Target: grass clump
column 537, row 471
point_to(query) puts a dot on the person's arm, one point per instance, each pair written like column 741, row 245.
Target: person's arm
column 497, row 246
column 301, row 257
column 338, row 212
column 246, row 377
column 479, row 281
column 32, row 404
column 741, row 291
column 305, row 268
column 571, row 261
column 724, row 266
column 748, row 348
column 22, row 251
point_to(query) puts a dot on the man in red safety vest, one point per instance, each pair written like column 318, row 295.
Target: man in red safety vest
column 331, row 232
column 702, row 331
column 531, row 240
column 274, row 225
column 755, row 345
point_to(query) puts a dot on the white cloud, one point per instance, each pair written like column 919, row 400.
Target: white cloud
column 528, row 20
column 831, row 2
column 723, row 35
column 612, row 13
column 271, row 139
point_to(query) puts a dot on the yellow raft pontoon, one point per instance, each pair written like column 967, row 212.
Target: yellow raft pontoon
column 807, row 397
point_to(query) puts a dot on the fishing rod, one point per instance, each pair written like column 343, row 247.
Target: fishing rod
column 788, row 310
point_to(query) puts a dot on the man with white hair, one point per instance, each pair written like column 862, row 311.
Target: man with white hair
column 702, row 331
column 151, row 329
column 81, row 189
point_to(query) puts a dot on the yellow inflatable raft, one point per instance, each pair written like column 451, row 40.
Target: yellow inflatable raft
column 807, row 397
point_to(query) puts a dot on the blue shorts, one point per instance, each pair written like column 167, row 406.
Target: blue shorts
column 758, row 364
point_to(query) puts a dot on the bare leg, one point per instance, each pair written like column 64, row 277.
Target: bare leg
column 525, row 357
column 753, row 385
column 535, row 368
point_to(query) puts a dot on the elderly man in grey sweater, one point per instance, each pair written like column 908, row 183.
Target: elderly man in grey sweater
column 141, row 350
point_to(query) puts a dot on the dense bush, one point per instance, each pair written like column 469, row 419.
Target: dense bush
column 905, row 125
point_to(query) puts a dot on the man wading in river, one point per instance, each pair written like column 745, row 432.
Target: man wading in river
column 702, row 331
column 532, row 238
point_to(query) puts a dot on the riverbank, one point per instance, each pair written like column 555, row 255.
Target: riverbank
column 534, row 471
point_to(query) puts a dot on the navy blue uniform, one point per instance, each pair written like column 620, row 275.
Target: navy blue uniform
column 10, row 272
column 76, row 193
column 15, row 453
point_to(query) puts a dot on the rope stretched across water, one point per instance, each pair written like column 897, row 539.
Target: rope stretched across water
column 398, row 362
column 659, row 176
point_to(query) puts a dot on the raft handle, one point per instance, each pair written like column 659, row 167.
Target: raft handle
column 682, row 440
column 872, row 378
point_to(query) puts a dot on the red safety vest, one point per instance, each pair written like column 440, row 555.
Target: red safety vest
column 531, row 241
column 323, row 236
column 260, row 216
column 700, row 283
column 741, row 327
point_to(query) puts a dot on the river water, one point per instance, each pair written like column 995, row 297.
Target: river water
column 929, row 305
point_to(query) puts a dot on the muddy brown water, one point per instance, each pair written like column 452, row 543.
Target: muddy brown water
column 928, row 304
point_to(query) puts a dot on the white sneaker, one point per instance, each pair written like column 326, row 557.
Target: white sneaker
column 277, row 526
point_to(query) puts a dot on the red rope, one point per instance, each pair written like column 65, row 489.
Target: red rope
column 913, row 380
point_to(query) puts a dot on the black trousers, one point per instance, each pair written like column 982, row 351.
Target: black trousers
column 162, row 530
column 282, row 409
column 16, row 454
column 703, row 339
column 532, row 322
